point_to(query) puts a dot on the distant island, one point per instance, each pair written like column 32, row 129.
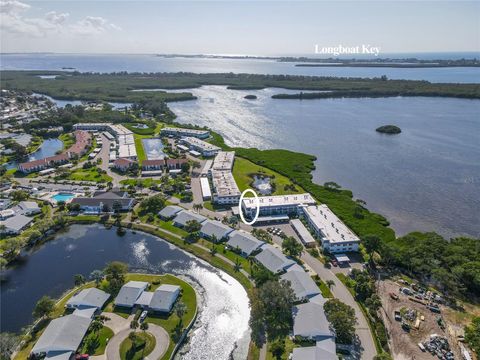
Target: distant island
column 250, row 97
column 389, row 129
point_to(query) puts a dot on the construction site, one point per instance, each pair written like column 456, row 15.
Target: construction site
column 419, row 324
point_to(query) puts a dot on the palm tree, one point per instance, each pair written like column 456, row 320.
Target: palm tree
column 96, row 326
column 213, row 250
column 330, row 283
column 180, row 310
column 237, row 267
column 97, row 276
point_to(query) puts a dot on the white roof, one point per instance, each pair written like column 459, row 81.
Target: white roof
column 223, row 160
column 279, row 200
column 324, row 349
column 215, row 228
column 28, row 205
column 332, row 228
column 204, row 184
column 184, row 216
column 145, row 298
column 169, row 211
column 182, row 131
column 224, row 183
column 16, row 223
column 303, row 232
column 200, row 144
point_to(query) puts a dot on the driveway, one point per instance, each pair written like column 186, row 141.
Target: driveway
column 121, row 329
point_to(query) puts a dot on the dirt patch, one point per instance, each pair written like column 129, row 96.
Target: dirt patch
column 404, row 344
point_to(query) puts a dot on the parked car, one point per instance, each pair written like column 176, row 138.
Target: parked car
column 334, row 262
column 82, row 357
column 143, row 315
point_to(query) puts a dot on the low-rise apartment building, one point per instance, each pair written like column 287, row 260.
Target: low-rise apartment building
column 201, row 134
column 334, row 235
column 203, row 147
column 276, row 204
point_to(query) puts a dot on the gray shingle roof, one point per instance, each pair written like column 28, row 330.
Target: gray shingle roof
column 310, row 321
column 169, row 211
column 215, row 228
column 164, row 297
column 129, row 293
column 62, row 355
column 273, row 259
column 246, row 242
column 63, row 334
column 302, row 284
column 184, row 216
column 323, row 350
column 91, row 297
column 16, row 223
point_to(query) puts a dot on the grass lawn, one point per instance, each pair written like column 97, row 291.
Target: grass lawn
column 59, row 310
column 100, row 340
column 231, row 255
column 139, row 147
column 243, row 168
column 93, row 146
column 326, row 293
column 140, row 182
column 289, row 345
column 90, row 174
column 145, row 343
column 67, row 139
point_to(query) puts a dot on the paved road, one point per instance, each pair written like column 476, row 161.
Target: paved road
column 162, row 341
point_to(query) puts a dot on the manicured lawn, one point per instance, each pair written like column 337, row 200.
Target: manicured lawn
column 229, row 254
column 243, row 169
column 68, row 140
column 289, row 345
column 90, row 174
column 145, row 343
column 326, row 293
column 100, row 340
column 139, row 147
column 140, row 182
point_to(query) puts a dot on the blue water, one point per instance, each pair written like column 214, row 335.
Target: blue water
column 62, row 197
column 62, row 103
column 426, row 178
column 49, row 147
column 222, row 322
column 152, row 63
column 153, row 149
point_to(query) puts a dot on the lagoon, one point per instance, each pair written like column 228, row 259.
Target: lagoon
column 222, row 323
column 153, row 149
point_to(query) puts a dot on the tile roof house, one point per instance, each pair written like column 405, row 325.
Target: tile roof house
column 173, row 164
column 302, row 284
column 157, row 164
column 88, row 298
column 213, row 229
column 123, row 164
column 102, row 201
column 129, row 293
column 164, row 297
column 273, row 259
column 244, row 242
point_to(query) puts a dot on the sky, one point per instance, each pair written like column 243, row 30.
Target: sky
column 237, row 27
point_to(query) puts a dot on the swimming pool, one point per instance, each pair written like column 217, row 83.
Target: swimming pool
column 63, row 197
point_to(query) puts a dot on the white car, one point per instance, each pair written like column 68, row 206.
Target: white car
column 143, row 315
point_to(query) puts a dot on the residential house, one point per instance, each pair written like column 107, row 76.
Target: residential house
column 244, row 242
column 169, row 212
column 215, row 230
column 273, row 259
column 88, row 298
column 164, row 297
column 129, row 293
column 302, row 284
column 185, row 216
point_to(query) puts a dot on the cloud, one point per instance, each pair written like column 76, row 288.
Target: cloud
column 93, row 25
column 14, row 21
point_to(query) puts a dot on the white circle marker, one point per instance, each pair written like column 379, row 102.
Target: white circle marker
column 257, row 200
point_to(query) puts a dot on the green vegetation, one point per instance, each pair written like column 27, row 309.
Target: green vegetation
column 152, row 205
column 96, row 341
column 139, row 147
column 324, row 288
column 68, row 140
column 137, row 345
column 118, row 87
column 343, row 320
column 388, row 129
column 243, row 171
column 150, row 130
column 472, row 334
column 90, row 174
column 271, row 311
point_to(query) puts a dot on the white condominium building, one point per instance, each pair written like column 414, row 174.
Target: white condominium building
column 205, row 148
column 225, row 189
column 224, row 160
column 201, row 134
column 334, row 235
column 276, row 205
